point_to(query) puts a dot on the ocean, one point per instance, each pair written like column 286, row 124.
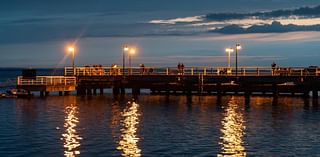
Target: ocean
column 155, row 125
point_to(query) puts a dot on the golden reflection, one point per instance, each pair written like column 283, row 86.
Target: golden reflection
column 70, row 137
column 115, row 120
column 232, row 131
column 128, row 143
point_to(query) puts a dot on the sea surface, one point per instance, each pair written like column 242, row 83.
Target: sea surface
column 154, row 125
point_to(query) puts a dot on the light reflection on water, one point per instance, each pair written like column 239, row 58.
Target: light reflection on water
column 71, row 138
column 128, row 143
column 166, row 128
column 232, row 131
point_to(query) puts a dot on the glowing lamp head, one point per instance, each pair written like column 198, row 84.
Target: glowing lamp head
column 238, row 47
column 71, row 49
column 126, row 48
column 132, row 51
column 229, row 50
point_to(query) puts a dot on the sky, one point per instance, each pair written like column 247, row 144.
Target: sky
column 35, row 33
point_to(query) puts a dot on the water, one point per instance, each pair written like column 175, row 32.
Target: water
column 158, row 126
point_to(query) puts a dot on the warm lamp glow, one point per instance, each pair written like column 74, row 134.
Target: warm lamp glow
column 71, row 49
column 126, row 48
column 132, row 51
column 238, row 47
column 229, row 50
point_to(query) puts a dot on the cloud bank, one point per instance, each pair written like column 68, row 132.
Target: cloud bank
column 274, row 27
column 274, row 21
column 299, row 12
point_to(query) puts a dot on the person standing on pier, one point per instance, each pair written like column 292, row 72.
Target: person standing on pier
column 273, row 66
column 142, row 69
column 182, row 68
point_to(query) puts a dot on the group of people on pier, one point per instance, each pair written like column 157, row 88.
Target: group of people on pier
column 180, row 68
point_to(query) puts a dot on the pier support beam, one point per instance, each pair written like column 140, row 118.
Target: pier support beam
column 135, row 91
column 247, row 98
column 101, row 91
column 89, row 91
column 81, row 91
column 60, row 93
column 275, row 91
column 219, row 89
column 67, row 93
column 94, row 91
column 306, row 94
column 47, row 93
column 315, row 94
column 115, row 91
column 41, row 93
column 123, row 91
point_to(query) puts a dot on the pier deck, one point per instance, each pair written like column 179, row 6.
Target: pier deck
column 192, row 80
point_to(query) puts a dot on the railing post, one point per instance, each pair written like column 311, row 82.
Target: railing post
column 205, row 71
column 258, row 71
column 192, row 71
column 167, row 71
column 244, row 72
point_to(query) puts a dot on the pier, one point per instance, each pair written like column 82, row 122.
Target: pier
column 294, row 81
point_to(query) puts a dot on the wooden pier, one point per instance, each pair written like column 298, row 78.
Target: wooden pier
column 47, row 84
column 248, row 81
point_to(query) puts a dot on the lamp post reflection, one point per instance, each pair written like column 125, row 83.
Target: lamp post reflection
column 229, row 51
column 128, row 143
column 232, row 131
column 70, row 137
column 131, row 53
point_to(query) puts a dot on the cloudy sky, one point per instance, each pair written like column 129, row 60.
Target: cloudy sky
column 34, row 33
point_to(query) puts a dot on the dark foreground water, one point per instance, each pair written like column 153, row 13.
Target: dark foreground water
column 158, row 126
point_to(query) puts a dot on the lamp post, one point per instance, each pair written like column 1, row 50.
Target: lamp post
column 125, row 49
column 229, row 50
column 131, row 52
column 71, row 50
column 238, row 47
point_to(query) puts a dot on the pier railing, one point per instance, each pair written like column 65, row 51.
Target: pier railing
column 211, row 71
column 47, row 80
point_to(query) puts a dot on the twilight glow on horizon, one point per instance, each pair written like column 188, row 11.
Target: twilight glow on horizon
column 34, row 33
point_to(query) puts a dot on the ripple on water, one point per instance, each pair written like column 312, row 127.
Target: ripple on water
column 97, row 126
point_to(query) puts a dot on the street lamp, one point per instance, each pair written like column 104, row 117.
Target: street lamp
column 125, row 49
column 238, row 47
column 131, row 52
column 71, row 49
column 229, row 50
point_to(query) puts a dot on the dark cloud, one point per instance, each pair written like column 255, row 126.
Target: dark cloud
column 275, row 27
column 33, row 20
column 37, row 20
column 303, row 11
